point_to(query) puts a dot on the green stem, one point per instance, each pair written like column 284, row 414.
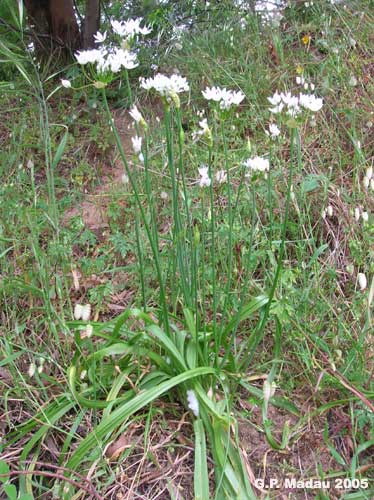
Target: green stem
column 154, row 248
column 258, row 335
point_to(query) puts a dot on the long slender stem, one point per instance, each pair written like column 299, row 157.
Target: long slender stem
column 259, row 333
column 178, row 233
column 213, row 248
column 154, row 248
column 229, row 243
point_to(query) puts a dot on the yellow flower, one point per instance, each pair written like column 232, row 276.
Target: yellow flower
column 306, row 39
column 299, row 69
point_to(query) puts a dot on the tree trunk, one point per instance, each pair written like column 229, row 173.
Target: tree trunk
column 54, row 25
column 91, row 23
column 64, row 23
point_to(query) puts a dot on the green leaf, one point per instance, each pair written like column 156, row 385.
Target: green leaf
column 201, row 479
column 311, row 183
column 167, row 344
column 11, row 491
column 60, row 149
column 117, row 417
column 4, row 471
column 246, row 312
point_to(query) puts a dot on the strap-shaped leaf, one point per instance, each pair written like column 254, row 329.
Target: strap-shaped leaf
column 117, row 417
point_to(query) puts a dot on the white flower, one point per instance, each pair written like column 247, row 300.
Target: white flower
column 66, row 84
column 89, row 56
column 125, row 179
column 118, row 27
column 193, row 403
column 204, row 177
column 366, row 182
column 136, row 144
column 276, row 99
column 329, row 211
column 365, row 216
column 204, row 127
column 136, row 114
column 257, row 164
column 293, row 103
column 100, row 37
column 362, row 281
column 117, row 59
column 273, row 131
column 221, row 176
column 226, row 98
column 164, row 196
column 357, row 214
column 212, row 94
column 231, row 98
column 311, row 102
column 204, row 130
column 78, row 311
column 130, row 28
column 167, row 86
column 369, row 173
column 86, row 312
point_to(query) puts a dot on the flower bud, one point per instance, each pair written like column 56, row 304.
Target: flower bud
column 86, row 312
column 99, row 85
column 78, row 311
column 268, row 390
column 89, row 331
column 362, row 281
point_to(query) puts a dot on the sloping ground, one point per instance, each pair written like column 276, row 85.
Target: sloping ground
column 94, row 208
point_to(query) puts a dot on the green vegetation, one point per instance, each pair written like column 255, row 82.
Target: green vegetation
column 185, row 314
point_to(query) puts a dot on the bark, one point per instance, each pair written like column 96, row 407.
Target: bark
column 91, row 23
column 64, row 24
column 54, row 25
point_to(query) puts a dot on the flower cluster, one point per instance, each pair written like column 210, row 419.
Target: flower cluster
column 167, row 86
column 293, row 104
column 257, row 164
column 108, row 60
column 130, row 28
column 225, row 98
